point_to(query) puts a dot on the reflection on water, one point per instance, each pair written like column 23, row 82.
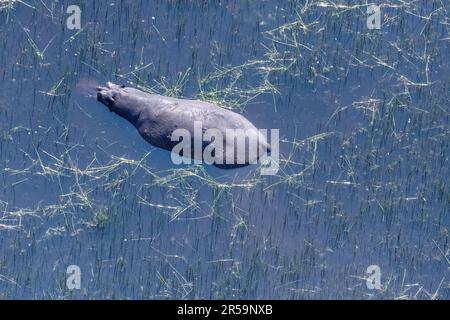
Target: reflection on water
column 364, row 127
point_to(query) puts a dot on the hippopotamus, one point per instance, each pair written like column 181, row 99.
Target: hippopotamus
column 157, row 117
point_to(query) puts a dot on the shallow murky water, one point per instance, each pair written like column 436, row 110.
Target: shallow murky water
column 364, row 126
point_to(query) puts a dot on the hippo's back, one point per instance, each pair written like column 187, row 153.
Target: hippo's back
column 182, row 113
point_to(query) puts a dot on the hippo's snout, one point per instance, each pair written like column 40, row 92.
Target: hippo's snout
column 99, row 95
column 102, row 94
column 106, row 96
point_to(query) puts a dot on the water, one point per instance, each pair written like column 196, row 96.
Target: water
column 364, row 125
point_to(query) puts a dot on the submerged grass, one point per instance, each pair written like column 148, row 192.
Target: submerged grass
column 369, row 185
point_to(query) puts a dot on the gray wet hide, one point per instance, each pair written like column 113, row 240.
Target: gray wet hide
column 227, row 138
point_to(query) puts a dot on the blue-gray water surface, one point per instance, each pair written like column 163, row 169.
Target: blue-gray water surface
column 364, row 122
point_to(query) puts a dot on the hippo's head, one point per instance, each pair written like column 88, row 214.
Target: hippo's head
column 121, row 100
column 107, row 94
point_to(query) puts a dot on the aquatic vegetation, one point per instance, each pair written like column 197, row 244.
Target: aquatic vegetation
column 364, row 127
